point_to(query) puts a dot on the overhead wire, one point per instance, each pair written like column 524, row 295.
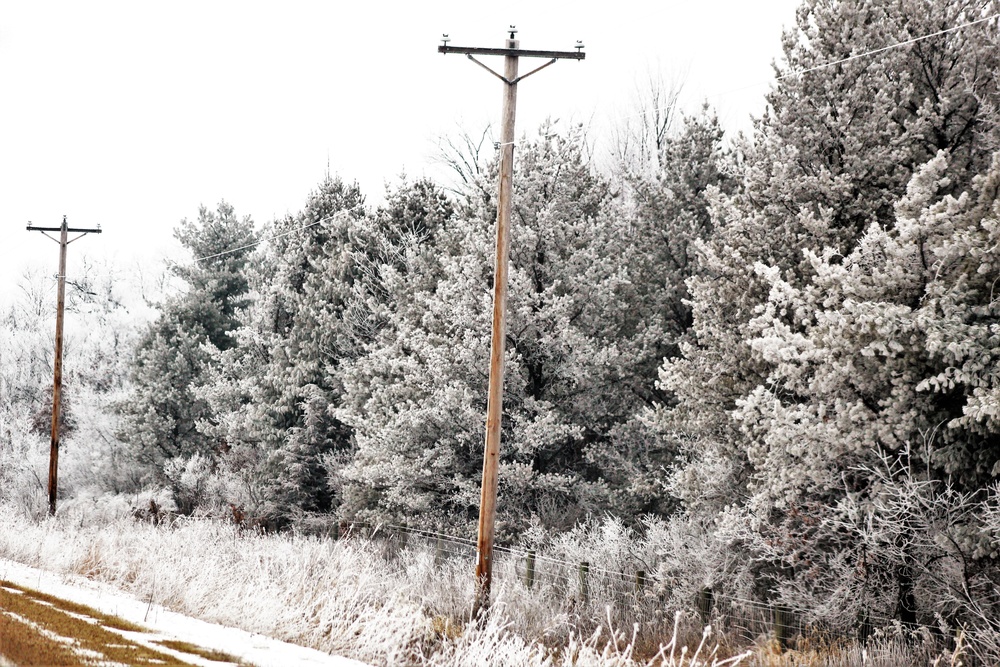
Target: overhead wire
column 831, row 63
column 789, row 75
column 263, row 240
column 887, row 48
column 465, row 542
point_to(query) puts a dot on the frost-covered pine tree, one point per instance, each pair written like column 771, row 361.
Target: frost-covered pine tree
column 160, row 419
column 417, row 399
column 831, row 157
column 887, row 354
column 670, row 215
column 664, row 215
column 268, row 395
column 321, row 298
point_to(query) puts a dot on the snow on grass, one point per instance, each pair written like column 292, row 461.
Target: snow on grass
column 344, row 597
column 103, row 608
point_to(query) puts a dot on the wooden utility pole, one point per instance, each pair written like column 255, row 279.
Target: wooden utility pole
column 64, row 231
column 494, row 404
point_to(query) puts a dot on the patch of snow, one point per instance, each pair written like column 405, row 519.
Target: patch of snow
column 254, row 648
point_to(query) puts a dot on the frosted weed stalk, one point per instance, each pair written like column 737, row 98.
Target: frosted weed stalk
column 491, row 643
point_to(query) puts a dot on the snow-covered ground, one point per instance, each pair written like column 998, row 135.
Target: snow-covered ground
column 253, row 648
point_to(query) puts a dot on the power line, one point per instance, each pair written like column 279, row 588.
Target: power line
column 807, row 70
column 64, row 229
column 259, row 241
column 886, row 48
column 512, row 54
column 831, row 63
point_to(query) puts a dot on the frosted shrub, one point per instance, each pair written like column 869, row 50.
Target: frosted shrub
column 23, row 470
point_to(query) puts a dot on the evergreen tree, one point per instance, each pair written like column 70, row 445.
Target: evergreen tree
column 322, row 297
column 666, row 215
column 265, row 386
column 832, row 156
column 887, row 354
column 416, row 400
column 161, row 417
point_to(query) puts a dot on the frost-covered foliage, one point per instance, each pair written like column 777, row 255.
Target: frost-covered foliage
column 322, row 293
column 104, row 315
column 844, row 315
column 890, row 351
column 161, row 414
column 787, row 344
column 351, row 597
column 832, row 156
column 416, row 399
column 270, row 392
column 895, row 341
column 353, row 379
column 387, row 605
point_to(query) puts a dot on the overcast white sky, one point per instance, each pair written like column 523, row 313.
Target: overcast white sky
column 132, row 114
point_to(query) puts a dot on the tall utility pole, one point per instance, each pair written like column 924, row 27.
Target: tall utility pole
column 494, row 404
column 64, row 231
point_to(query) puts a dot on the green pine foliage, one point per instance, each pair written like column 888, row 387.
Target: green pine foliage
column 161, row 418
column 804, row 371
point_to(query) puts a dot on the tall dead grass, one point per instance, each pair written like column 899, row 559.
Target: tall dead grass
column 353, row 597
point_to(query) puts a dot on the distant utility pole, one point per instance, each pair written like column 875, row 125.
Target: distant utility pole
column 487, row 504
column 63, row 230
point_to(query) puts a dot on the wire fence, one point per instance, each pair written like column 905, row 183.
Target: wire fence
column 626, row 596
column 625, row 589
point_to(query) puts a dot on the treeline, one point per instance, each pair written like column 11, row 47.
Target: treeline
column 787, row 343
column 339, row 366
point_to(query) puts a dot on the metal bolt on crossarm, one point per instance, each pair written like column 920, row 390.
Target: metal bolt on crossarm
column 64, row 230
column 511, row 53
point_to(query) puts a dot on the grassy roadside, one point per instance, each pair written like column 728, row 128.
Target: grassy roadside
column 41, row 630
column 388, row 605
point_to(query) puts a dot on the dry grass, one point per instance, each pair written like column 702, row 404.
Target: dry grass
column 105, row 620
column 192, row 649
column 88, row 642
column 22, row 645
column 383, row 606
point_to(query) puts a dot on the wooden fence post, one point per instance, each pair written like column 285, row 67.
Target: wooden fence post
column 782, row 625
column 584, row 584
column 865, row 627
column 529, row 569
column 640, row 582
column 704, row 604
column 438, row 552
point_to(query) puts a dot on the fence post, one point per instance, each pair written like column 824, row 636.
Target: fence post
column 865, row 628
column 640, row 581
column 782, row 623
column 529, row 569
column 438, row 552
column 584, row 587
column 704, row 604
